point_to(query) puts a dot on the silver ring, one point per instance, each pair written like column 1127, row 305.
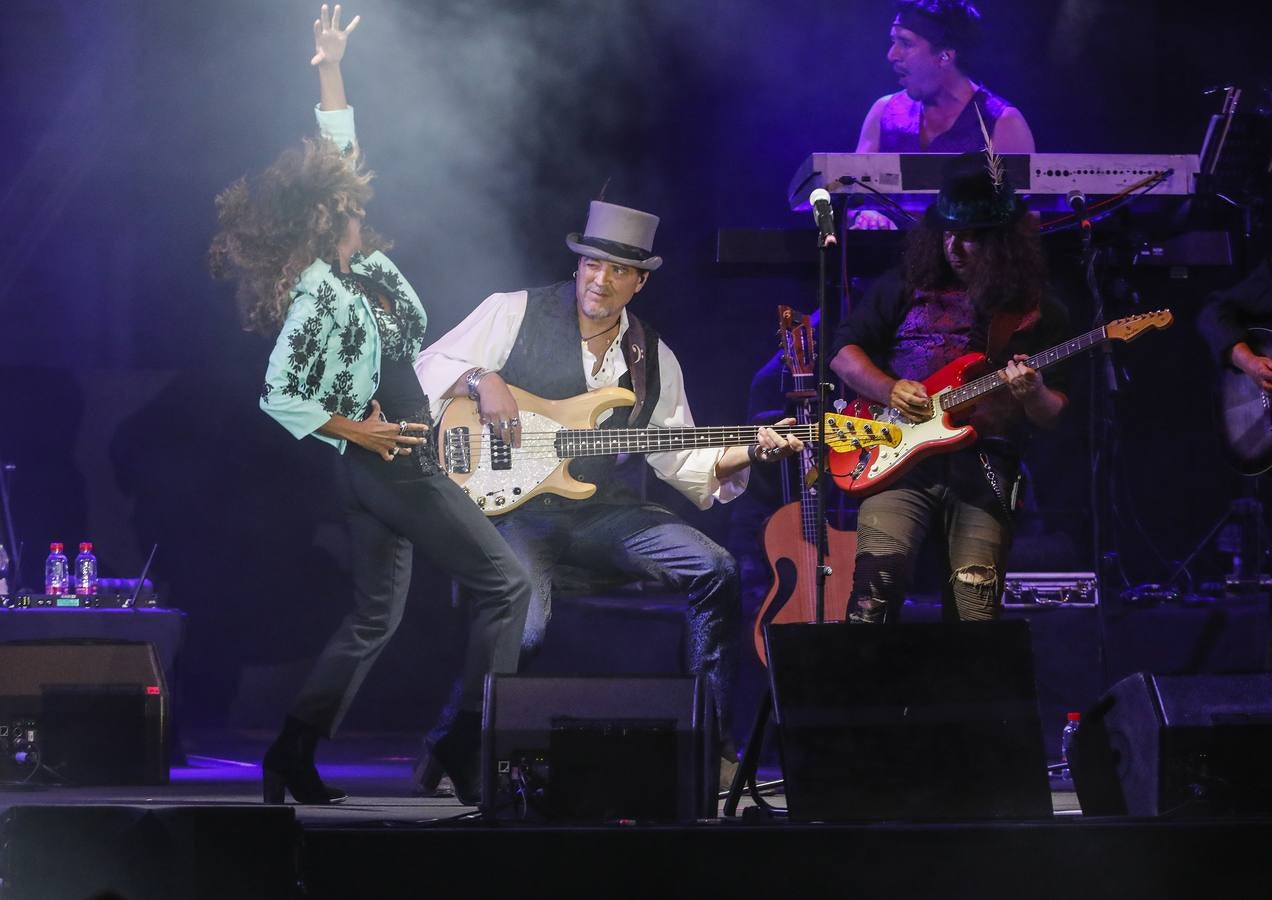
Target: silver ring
column 393, row 451
column 402, row 427
column 514, row 422
column 504, row 423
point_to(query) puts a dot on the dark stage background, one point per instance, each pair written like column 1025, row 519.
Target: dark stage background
column 129, row 391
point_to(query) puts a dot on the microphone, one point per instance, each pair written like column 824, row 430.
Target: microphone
column 825, row 216
column 1077, row 201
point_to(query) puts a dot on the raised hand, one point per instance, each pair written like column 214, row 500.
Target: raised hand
column 329, row 39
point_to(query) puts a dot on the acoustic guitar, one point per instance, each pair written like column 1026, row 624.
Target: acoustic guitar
column 790, row 534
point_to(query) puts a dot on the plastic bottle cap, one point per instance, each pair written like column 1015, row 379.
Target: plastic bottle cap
column 55, row 547
column 1075, row 717
column 85, row 547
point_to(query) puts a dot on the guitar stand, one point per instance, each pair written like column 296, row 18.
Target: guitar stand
column 745, row 776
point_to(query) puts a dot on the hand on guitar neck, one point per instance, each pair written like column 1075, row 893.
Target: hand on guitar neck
column 1257, row 368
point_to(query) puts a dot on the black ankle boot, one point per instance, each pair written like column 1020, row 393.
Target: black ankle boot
column 459, row 754
column 289, row 766
column 427, row 775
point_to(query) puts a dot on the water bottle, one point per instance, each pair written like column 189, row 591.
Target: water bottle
column 1067, row 737
column 57, row 571
column 86, row 571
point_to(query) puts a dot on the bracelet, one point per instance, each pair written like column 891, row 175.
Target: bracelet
column 753, row 454
column 472, row 378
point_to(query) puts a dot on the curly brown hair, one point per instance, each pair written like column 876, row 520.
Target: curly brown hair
column 274, row 225
column 1007, row 273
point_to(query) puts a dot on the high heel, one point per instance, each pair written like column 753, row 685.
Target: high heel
column 273, row 786
column 459, row 754
column 426, row 776
column 289, row 766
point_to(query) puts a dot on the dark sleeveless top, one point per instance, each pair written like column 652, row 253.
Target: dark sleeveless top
column 547, row 361
column 900, row 123
column 398, row 392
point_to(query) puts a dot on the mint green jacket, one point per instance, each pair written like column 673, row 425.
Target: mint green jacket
column 326, row 360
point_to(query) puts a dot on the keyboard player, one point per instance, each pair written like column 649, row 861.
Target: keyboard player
column 932, row 42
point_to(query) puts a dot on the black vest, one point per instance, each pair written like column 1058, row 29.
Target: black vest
column 547, row 361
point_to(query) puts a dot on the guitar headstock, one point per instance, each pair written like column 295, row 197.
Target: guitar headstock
column 795, row 335
column 848, row 433
column 1133, row 326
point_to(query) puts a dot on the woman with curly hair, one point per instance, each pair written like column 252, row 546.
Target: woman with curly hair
column 349, row 330
column 973, row 280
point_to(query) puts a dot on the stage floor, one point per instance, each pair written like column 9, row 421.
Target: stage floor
column 374, row 769
column 208, row 835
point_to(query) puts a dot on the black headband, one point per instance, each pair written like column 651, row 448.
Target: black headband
column 956, row 31
column 925, row 26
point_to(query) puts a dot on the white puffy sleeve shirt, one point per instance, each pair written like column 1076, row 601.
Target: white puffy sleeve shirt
column 486, row 338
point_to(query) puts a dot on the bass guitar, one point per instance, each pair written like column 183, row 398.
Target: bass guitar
column 500, row 477
column 790, row 534
column 955, row 388
column 1245, row 412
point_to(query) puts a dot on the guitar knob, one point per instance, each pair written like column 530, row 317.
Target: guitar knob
column 500, row 501
column 481, row 502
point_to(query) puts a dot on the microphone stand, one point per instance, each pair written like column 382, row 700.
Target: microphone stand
column 745, row 776
column 824, row 243
column 1101, row 415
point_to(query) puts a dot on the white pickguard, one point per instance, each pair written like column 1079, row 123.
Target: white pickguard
column 499, row 490
column 913, row 435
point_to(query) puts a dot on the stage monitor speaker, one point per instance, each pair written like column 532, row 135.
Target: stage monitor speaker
column 1196, row 745
column 87, row 712
column 595, row 749
column 920, row 721
column 172, row 853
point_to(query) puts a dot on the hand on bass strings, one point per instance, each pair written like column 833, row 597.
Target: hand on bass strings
column 498, row 409
column 771, row 445
column 329, row 39
column 910, row 398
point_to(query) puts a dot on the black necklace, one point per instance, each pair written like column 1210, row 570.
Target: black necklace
column 606, row 331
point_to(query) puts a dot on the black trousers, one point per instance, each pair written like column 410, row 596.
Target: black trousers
column 389, row 508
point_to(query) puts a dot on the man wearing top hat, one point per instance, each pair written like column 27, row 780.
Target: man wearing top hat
column 972, row 280
column 575, row 336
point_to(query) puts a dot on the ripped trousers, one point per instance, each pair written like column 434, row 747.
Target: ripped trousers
column 948, row 492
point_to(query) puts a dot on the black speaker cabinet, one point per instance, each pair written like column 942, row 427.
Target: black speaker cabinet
column 920, row 721
column 590, row 749
column 174, row 853
column 1157, row 745
column 91, row 712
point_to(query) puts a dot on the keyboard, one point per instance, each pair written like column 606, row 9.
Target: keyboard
column 1036, row 174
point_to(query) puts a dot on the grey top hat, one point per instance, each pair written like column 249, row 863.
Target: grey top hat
column 617, row 234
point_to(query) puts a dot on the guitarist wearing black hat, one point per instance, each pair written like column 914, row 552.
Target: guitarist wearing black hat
column 973, row 280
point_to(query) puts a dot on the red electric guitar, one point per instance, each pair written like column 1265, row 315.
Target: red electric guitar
column 955, row 389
